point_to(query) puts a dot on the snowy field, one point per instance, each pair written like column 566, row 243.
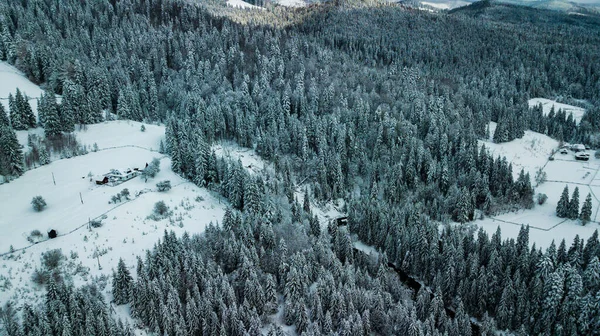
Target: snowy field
column 531, row 153
column 547, row 105
column 126, row 232
column 292, row 3
column 242, row 4
column 122, row 132
column 13, row 79
column 249, row 158
column 445, row 4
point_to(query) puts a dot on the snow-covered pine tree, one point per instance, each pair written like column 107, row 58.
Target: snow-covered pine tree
column 4, row 121
column 573, row 210
column 16, row 121
column 27, row 112
column 463, row 209
column 11, row 154
column 315, row 226
column 586, row 210
column 562, row 207
column 122, row 284
column 51, row 117
column 252, row 202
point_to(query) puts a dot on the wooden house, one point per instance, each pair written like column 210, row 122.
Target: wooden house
column 115, row 176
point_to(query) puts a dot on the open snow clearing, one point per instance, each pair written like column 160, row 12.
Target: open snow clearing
column 531, row 153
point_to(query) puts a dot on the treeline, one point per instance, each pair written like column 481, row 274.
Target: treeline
column 64, row 311
column 527, row 289
column 246, row 273
column 556, row 124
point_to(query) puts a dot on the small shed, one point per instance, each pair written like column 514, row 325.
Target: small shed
column 52, row 234
column 103, row 181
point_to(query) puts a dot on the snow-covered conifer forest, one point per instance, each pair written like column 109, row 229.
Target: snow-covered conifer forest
column 345, row 168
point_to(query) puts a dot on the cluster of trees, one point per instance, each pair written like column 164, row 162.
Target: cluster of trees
column 151, row 169
column 57, row 120
column 237, row 275
column 21, row 114
column 569, row 208
column 11, row 152
column 64, row 311
column 556, row 124
column 525, row 289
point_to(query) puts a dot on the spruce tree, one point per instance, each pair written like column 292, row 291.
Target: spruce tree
column 586, row 210
column 69, row 108
column 15, row 117
column 315, row 226
column 11, row 154
column 4, row 121
column 122, row 284
column 573, row 211
column 562, row 207
column 28, row 115
column 51, row 118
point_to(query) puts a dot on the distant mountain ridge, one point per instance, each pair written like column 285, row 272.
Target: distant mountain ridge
column 508, row 11
column 576, row 7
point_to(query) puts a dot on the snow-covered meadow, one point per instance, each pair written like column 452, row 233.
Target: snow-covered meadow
column 242, row 4
column 74, row 199
column 12, row 79
column 126, row 230
column 531, row 153
column 547, row 105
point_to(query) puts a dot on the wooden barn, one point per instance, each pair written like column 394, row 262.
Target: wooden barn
column 52, row 234
column 103, row 181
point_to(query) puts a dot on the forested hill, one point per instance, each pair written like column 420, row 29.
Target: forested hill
column 521, row 14
column 380, row 107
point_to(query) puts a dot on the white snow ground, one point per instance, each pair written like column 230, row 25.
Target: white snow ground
column 12, row 79
column 126, row 231
column 250, row 160
column 292, row 3
column 547, row 104
column 445, row 4
column 241, row 4
column 530, row 153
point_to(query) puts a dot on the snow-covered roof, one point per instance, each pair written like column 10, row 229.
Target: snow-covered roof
column 118, row 173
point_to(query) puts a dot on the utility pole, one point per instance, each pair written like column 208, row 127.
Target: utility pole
column 53, row 180
column 80, row 197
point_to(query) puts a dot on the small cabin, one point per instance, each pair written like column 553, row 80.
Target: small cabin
column 103, row 181
column 341, row 221
column 52, row 234
column 116, row 176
